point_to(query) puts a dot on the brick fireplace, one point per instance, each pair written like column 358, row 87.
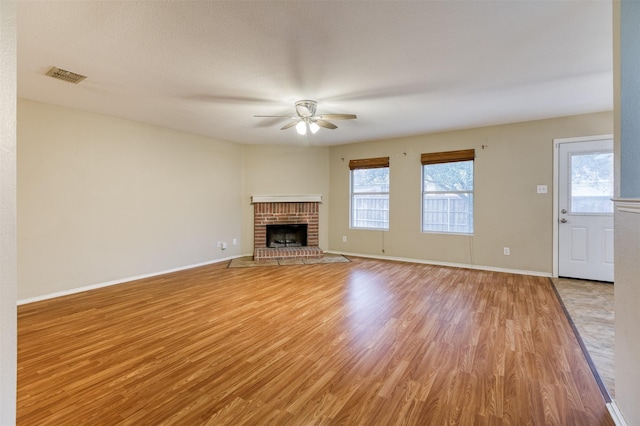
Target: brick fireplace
column 284, row 211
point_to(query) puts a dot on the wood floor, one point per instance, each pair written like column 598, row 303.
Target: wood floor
column 590, row 305
column 367, row 342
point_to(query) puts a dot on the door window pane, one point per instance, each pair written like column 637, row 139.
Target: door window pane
column 592, row 182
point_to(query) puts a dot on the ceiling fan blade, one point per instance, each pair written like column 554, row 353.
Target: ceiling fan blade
column 276, row 116
column 326, row 124
column 337, row 117
column 289, row 125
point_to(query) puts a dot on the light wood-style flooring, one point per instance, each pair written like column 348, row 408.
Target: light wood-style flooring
column 367, row 342
column 590, row 305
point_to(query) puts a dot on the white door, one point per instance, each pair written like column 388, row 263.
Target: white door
column 585, row 228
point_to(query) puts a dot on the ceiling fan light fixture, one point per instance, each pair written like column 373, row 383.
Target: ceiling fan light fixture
column 307, row 119
column 301, row 128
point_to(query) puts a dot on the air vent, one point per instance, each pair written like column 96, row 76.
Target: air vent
column 65, row 75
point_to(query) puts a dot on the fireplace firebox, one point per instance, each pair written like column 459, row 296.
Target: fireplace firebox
column 294, row 235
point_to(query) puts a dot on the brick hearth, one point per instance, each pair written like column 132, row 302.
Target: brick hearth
column 264, row 253
column 285, row 213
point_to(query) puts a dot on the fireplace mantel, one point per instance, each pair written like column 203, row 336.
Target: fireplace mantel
column 309, row 198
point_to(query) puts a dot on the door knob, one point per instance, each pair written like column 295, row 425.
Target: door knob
column 563, row 220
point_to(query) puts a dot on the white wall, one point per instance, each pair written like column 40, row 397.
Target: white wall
column 102, row 199
column 508, row 211
column 8, row 280
column 627, row 297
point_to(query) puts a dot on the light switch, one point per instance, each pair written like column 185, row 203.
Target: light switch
column 542, row 189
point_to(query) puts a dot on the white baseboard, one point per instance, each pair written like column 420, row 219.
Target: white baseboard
column 454, row 265
column 182, row 268
column 616, row 415
column 120, row 281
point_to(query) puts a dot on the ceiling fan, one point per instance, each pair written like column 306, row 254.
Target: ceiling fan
column 307, row 118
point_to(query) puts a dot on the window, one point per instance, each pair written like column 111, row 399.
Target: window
column 591, row 183
column 370, row 193
column 447, row 191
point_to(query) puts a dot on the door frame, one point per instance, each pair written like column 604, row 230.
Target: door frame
column 556, row 190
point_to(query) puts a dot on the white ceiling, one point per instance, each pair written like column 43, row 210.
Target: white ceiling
column 403, row 67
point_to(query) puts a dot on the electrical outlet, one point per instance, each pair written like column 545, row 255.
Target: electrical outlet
column 507, row 251
column 235, row 241
column 224, row 245
column 344, row 238
column 541, row 189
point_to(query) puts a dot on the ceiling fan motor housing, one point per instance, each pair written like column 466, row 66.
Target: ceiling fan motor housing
column 306, row 108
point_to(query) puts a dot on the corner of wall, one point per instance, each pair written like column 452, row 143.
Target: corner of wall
column 8, row 259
